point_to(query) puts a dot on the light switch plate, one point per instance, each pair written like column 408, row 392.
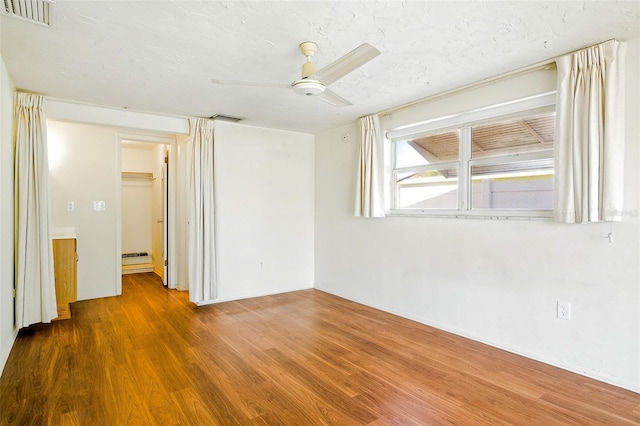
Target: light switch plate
column 99, row 206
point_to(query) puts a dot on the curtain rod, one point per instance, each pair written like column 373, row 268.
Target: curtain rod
column 548, row 63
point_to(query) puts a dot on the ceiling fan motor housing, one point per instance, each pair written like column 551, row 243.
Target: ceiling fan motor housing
column 313, row 83
column 308, row 87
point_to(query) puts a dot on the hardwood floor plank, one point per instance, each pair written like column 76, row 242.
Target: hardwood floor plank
column 196, row 410
column 150, row 357
column 70, row 419
column 404, row 406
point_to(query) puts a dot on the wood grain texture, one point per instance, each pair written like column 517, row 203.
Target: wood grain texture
column 150, row 357
column 64, row 268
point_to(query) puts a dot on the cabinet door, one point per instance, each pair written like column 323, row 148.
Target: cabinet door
column 64, row 264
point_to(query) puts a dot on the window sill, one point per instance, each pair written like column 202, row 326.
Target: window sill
column 483, row 215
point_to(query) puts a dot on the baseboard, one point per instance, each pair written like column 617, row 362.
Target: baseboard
column 4, row 356
column 251, row 296
column 158, row 272
column 463, row 333
column 137, row 269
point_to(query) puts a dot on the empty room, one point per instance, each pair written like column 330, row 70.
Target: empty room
column 319, row 212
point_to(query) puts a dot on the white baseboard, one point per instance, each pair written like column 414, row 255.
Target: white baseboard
column 252, row 295
column 137, row 269
column 4, row 356
column 615, row 381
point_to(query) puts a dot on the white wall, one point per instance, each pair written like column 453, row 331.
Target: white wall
column 83, row 168
column 264, row 210
column 123, row 124
column 264, row 206
column 139, row 158
column 7, row 330
column 494, row 281
column 136, row 217
column 84, row 161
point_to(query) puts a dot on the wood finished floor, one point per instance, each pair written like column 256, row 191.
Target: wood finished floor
column 304, row 358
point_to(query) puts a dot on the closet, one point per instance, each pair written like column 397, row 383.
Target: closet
column 143, row 207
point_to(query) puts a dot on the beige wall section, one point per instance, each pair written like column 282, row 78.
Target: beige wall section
column 122, row 124
column 495, row 281
column 7, row 330
column 264, row 203
column 83, row 168
column 264, row 210
column 181, row 158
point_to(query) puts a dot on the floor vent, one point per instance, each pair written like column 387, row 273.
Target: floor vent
column 140, row 254
column 35, row 11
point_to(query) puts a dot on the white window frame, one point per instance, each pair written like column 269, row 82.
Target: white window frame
column 464, row 122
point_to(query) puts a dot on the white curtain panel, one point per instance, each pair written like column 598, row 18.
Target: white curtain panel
column 201, row 236
column 370, row 189
column 34, row 278
column 589, row 149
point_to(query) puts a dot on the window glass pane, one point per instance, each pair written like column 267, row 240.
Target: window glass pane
column 429, row 189
column 519, row 185
column 427, row 150
column 521, row 135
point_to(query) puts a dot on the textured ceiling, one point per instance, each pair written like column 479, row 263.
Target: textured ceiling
column 160, row 56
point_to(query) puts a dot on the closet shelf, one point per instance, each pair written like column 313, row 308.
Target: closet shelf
column 138, row 175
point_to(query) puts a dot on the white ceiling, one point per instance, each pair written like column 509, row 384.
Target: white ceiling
column 160, row 56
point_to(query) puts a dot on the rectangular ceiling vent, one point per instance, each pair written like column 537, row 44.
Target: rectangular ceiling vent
column 35, row 11
column 223, row 117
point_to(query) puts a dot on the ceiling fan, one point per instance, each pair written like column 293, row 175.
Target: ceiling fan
column 314, row 83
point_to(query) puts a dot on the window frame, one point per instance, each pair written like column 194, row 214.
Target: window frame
column 463, row 123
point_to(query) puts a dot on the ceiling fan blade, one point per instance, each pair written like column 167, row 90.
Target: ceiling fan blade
column 251, row 83
column 331, row 98
column 349, row 62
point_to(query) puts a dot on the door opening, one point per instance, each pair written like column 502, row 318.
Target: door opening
column 145, row 214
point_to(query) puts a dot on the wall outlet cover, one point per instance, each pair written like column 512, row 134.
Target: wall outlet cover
column 564, row 310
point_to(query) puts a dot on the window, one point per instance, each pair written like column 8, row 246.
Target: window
column 497, row 161
column 427, row 170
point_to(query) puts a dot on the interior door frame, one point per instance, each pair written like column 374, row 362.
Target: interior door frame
column 170, row 225
column 165, row 219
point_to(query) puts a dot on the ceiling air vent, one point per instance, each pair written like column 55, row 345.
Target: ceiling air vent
column 36, row 11
column 225, row 118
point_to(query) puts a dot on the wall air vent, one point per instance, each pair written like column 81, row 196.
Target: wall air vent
column 35, row 11
column 223, row 117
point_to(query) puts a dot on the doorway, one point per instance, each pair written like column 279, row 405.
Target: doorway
column 145, row 207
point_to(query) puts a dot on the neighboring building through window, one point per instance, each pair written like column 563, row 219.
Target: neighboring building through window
column 497, row 161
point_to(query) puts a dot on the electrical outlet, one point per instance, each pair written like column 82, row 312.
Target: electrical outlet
column 564, row 310
column 71, row 206
column 261, row 264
